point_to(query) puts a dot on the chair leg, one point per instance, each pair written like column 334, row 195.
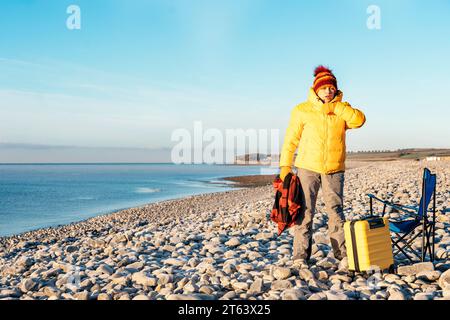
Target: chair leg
column 430, row 241
column 406, row 245
column 433, row 235
column 423, row 241
column 428, row 245
column 395, row 243
column 399, row 238
column 401, row 249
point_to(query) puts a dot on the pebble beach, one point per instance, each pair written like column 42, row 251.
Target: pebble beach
column 224, row 246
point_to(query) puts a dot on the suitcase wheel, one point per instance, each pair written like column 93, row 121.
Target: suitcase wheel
column 392, row 269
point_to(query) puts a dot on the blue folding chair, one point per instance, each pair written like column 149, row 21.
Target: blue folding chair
column 403, row 230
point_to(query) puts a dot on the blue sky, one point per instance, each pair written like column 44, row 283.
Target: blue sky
column 137, row 70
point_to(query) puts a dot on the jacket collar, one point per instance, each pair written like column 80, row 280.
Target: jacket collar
column 317, row 103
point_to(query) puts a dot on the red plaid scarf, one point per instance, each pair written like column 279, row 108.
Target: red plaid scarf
column 287, row 201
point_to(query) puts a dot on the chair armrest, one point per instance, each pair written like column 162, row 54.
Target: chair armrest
column 393, row 205
column 402, row 208
column 374, row 197
column 410, row 207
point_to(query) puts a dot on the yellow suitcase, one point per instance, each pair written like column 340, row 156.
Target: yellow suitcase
column 368, row 244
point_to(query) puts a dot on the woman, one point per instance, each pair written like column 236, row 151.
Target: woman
column 317, row 127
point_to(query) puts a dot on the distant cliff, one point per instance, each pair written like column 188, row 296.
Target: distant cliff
column 372, row 155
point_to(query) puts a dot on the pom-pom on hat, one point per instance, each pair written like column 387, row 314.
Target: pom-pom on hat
column 323, row 76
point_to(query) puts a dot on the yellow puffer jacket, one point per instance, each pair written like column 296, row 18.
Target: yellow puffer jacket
column 318, row 130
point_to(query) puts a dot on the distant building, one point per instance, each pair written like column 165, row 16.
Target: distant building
column 433, row 158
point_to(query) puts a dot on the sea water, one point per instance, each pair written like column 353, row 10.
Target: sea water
column 35, row 196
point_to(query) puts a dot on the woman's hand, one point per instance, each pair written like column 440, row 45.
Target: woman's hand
column 284, row 171
column 353, row 117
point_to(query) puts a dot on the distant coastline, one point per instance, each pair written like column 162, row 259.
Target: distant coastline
column 259, row 159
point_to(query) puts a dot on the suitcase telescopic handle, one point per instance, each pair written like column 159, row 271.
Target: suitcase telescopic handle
column 375, row 223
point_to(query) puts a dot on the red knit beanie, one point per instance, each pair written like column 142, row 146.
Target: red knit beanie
column 323, row 76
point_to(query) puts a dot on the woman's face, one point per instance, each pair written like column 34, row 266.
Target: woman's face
column 326, row 93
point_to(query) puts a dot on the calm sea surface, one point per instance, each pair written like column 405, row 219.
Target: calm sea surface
column 34, row 196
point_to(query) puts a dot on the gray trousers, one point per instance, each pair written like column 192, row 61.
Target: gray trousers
column 333, row 194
